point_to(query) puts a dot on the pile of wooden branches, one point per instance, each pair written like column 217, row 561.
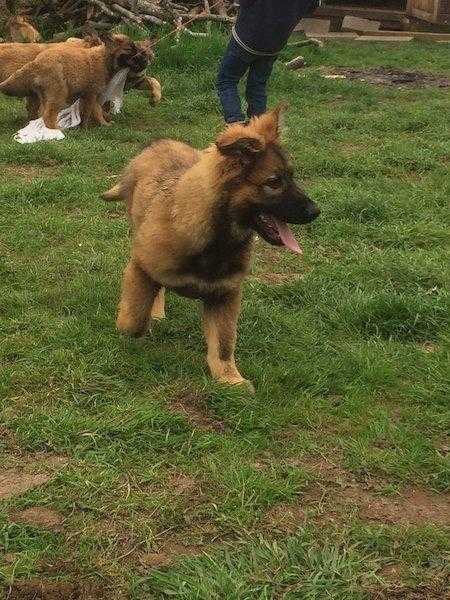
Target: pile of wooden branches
column 104, row 14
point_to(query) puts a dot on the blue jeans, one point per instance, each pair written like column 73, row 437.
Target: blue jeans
column 235, row 63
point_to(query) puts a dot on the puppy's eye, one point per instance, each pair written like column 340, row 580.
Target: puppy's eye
column 274, row 182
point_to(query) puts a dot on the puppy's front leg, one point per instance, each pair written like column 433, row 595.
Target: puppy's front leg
column 219, row 325
column 97, row 113
column 138, row 294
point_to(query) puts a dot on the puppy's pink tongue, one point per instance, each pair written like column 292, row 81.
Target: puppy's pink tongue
column 287, row 237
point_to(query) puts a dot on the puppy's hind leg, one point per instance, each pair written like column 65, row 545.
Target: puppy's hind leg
column 138, row 294
column 54, row 100
column 33, row 106
column 97, row 113
column 158, row 309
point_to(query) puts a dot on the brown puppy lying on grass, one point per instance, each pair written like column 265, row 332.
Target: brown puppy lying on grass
column 194, row 215
column 57, row 76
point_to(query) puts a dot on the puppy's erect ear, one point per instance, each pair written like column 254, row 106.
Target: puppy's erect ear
column 237, row 142
column 91, row 39
column 149, row 42
column 108, row 39
column 147, row 46
column 270, row 124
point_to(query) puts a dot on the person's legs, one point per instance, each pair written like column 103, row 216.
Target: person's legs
column 233, row 67
column 256, row 92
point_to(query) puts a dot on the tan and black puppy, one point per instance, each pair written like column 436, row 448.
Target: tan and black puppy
column 194, row 215
column 14, row 56
column 57, row 76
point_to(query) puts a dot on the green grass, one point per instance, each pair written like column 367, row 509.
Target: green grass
column 348, row 351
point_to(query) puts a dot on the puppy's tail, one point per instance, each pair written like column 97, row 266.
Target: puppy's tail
column 124, row 189
column 20, row 82
column 115, row 193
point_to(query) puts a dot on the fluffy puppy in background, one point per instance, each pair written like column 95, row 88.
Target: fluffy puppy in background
column 59, row 75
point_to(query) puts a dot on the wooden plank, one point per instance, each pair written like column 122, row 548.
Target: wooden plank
column 378, row 14
column 384, row 38
column 432, row 11
column 419, row 35
column 333, row 35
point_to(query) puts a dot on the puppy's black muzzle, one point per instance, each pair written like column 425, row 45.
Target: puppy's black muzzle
column 295, row 207
column 136, row 63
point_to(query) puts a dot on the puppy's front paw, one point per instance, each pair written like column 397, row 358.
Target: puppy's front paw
column 128, row 327
column 244, row 383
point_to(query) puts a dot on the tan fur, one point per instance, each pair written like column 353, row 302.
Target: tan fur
column 175, row 196
column 13, row 56
column 19, row 29
column 59, row 75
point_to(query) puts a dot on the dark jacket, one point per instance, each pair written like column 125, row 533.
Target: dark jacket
column 264, row 26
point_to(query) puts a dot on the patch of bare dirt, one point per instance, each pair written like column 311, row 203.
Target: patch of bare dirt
column 285, row 518
column 194, row 409
column 403, row 592
column 338, row 493
column 167, row 554
column 182, row 484
column 39, row 516
column 393, row 77
column 28, row 172
column 413, row 507
column 29, row 475
column 430, row 347
column 34, row 589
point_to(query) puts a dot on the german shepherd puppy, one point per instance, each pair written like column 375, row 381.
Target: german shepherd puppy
column 14, row 56
column 194, row 215
column 59, row 75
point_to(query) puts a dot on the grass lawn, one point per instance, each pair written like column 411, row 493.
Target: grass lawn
column 125, row 472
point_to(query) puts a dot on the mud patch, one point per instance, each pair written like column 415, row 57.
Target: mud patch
column 413, row 507
column 393, row 77
column 337, row 494
column 285, row 518
column 429, row 347
column 51, row 590
column 402, row 592
column 194, row 409
column 39, row 516
column 167, row 555
column 182, row 484
column 17, row 481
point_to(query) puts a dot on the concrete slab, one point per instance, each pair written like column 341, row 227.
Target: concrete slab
column 358, row 24
column 314, row 25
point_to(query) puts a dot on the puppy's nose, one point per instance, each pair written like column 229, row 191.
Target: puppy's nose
column 313, row 212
